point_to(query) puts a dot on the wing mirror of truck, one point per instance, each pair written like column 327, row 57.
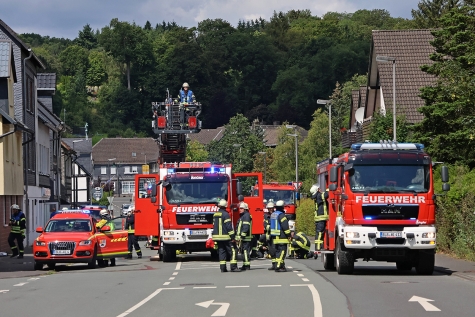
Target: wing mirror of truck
column 332, row 187
column 238, row 188
column 39, row 230
column 444, row 174
column 445, row 187
column 333, row 174
column 240, row 197
column 153, row 190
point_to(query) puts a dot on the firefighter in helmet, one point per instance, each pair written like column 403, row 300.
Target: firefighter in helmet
column 17, row 232
column 321, row 215
column 224, row 236
column 244, row 226
column 186, row 95
column 280, row 232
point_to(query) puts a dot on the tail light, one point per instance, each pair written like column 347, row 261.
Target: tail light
column 192, row 122
column 161, row 122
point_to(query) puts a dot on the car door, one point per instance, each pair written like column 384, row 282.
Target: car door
column 113, row 243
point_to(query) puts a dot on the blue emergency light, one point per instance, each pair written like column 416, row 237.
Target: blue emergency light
column 368, row 218
column 171, row 171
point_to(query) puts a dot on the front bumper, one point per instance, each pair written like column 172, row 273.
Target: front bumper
column 185, row 236
column 81, row 254
column 359, row 237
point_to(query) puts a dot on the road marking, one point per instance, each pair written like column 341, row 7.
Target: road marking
column 300, row 275
column 175, row 273
column 237, row 286
column 130, row 310
column 424, row 303
column 178, row 266
column 305, row 280
column 295, row 271
column 166, row 283
column 165, row 289
column 269, row 285
column 33, row 279
column 171, row 278
column 198, row 287
column 3, row 291
column 317, row 304
column 290, row 267
column 20, row 284
column 221, row 310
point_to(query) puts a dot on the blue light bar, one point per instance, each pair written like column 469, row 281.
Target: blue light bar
column 368, row 218
column 413, row 218
column 171, row 171
column 356, row 146
column 222, row 170
column 212, row 169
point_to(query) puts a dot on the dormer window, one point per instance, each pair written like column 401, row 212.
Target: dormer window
column 134, row 154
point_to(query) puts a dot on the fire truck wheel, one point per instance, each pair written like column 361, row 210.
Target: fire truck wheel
column 169, row 254
column 328, row 261
column 403, row 265
column 345, row 263
column 425, row 263
column 92, row 263
column 38, row 266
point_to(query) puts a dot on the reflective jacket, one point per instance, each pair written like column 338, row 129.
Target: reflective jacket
column 300, row 240
column 222, row 227
column 244, row 226
column 18, row 223
column 267, row 226
column 279, row 228
column 105, row 221
column 189, row 97
column 130, row 224
column 321, row 206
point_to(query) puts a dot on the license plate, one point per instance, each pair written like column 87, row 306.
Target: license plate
column 198, row 232
column 61, row 252
column 390, row 234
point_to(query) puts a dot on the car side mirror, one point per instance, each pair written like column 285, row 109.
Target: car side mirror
column 239, row 188
column 241, row 198
column 332, row 187
column 39, row 230
column 153, row 199
column 105, row 228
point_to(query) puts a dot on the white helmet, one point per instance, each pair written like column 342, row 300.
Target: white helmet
column 314, row 189
column 186, row 85
column 15, row 206
column 223, row 203
column 244, row 206
column 265, row 201
column 270, row 205
column 280, row 203
column 103, row 212
column 65, row 208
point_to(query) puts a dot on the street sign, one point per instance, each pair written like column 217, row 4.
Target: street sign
column 145, row 169
column 97, row 194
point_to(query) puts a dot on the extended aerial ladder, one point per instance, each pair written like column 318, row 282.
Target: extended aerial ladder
column 172, row 121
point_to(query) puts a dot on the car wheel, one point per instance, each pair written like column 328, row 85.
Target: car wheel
column 38, row 266
column 51, row 266
column 92, row 263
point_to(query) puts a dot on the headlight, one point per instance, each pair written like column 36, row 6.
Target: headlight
column 40, row 243
column 428, row 235
column 168, row 233
column 352, row 235
column 85, row 242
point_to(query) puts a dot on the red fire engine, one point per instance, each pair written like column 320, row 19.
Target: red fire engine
column 281, row 191
column 381, row 207
column 180, row 211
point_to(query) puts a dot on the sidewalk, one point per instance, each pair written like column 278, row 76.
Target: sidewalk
column 10, row 268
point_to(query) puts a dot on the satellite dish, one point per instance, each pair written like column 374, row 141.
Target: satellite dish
column 359, row 115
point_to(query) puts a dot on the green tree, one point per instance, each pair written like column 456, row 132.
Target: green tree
column 96, row 73
column 74, row 60
column 196, row 152
column 87, row 38
column 429, row 12
column 283, row 165
column 382, row 127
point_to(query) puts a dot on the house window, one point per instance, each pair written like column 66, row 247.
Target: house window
column 113, row 170
column 134, row 169
column 134, row 154
column 103, row 170
column 128, row 187
column 126, row 169
column 43, row 164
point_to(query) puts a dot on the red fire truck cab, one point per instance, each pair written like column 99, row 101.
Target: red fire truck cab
column 381, row 207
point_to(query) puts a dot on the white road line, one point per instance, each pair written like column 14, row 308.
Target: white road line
column 295, row 271
column 317, row 304
column 198, row 287
column 175, row 273
column 3, row 291
column 290, row 267
column 20, row 284
column 299, row 284
column 300, row 275
column 305, row 280
column 166, row 283
column 33, row 279
column 178, row 266
column 173, row 288
column 237, row 286
column 171, row 278
column 269, row 285
column 128, row 311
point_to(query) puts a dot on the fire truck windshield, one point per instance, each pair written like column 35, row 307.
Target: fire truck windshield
column 197, row 191
column 286, row 195
column 390, row 178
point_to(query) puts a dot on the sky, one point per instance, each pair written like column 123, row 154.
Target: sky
column 65, row 18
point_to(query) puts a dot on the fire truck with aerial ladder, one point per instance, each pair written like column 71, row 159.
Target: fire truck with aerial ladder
column 182, row 196
column 381, row 206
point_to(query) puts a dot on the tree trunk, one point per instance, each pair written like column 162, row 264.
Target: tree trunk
column 128, row 75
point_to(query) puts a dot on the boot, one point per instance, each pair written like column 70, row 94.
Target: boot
column 223, row 268
column 273, row 267
column 281, row 269
column 315, row 255
column 235, row 269
column 14, row 253
column 139, row 255
column 245, row 267
column 20, row 256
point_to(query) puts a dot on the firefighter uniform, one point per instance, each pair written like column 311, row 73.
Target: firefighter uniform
column 132, row 242
column 280, row 232
column 243, row 233
column 18, row 228
column 321, row 215
column 223, row 236
column 301, row 246
column 270, row 244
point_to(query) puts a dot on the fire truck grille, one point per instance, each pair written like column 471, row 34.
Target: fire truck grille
column 383, row 241
column 194, row 218
column 197, row 237
column 62, row 248
column 389, row 211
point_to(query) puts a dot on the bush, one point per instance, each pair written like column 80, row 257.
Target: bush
column 305, row 217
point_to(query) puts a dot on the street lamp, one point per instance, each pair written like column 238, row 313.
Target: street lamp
column 328, row 102
column 110, row 177
column 265, row 164
column 75, row 175
column 389, row 59
column 296, row 136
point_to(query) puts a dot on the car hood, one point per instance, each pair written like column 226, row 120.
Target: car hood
column 65, row 236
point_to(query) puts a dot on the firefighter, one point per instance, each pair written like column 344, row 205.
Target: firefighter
column 186, row 95
column 224, row 236
column 132, row 242
column 243, row 233
column 105, row 217
column 18, row 224
column 301, row 246
column 321, row 215
column 280, row 232
column 270, row 245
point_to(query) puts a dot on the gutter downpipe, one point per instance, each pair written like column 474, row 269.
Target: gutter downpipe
column 27, row 157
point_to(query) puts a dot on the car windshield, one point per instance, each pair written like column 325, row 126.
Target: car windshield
column 390, row 178
column 197, row 192
column 69, row 225
column 286, row 195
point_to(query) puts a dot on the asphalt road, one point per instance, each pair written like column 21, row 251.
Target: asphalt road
column 194, row 286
